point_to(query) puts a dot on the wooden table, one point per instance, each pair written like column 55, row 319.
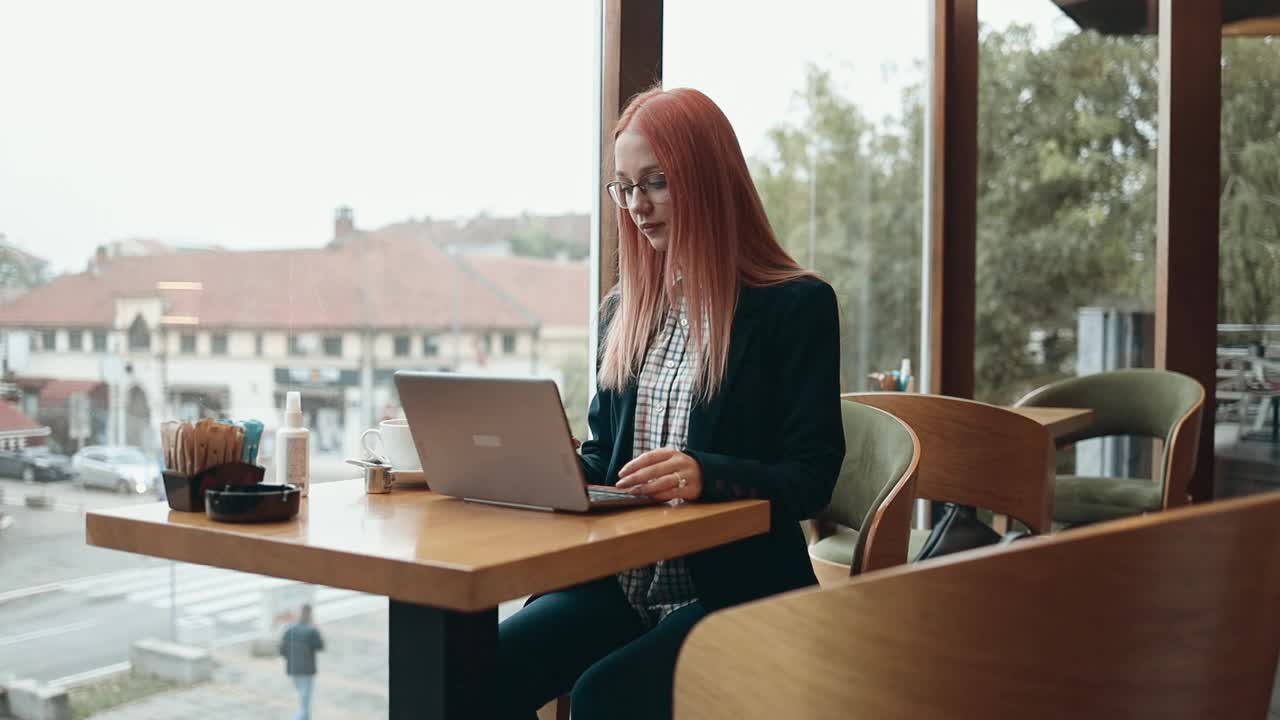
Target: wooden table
column 1058, row 421
column 445, row 564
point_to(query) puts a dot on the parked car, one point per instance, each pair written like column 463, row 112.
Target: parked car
column 123, row 468
column 34, row 463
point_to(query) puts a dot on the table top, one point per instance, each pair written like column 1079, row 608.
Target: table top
column 417, row 546
column 1058, row 421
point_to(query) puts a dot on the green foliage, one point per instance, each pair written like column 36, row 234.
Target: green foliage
column 113, row 691
column 19, row 271
column 862, row 232
column 535, row 241
column 575, row 394
column 1250, row 240
column 1066, row 195
column 1066, row 200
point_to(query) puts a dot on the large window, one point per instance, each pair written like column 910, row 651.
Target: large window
column 1066, row 199
column 301, row 344
column 827, row 99
column 1246, row 436
column 297, row 182
column 139, row 335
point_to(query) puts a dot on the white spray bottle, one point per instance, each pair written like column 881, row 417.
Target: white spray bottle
column 293, row 446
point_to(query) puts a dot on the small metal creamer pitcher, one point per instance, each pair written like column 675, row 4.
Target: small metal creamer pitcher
column 378, row 477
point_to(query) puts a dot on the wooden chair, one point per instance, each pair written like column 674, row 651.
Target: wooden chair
column 1172, row 615
column 557, row 709
column 874, row 496
column 971, row 453
column 1151, row 403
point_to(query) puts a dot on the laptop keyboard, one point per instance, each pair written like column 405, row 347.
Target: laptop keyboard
column 594, row 494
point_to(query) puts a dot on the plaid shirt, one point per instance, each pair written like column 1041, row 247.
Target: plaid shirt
column 664, row 397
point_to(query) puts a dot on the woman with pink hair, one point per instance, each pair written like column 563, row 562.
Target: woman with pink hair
column 718, row 380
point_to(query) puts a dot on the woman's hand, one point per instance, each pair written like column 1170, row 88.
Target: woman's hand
column 664, row 474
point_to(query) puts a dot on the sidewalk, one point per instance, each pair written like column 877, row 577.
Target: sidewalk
column 351, row 682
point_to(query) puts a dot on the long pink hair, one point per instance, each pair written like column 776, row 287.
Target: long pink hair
column 719, row 239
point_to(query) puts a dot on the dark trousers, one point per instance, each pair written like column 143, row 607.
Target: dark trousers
column 589, row 640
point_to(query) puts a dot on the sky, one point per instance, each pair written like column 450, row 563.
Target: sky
column 245, row 124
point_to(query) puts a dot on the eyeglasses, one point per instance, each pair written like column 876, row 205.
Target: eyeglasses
column 654, row 187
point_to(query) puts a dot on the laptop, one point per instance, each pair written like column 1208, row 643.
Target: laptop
column 500, row 440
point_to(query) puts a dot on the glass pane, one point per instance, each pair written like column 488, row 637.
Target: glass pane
column 333, row 345
column 830, row 114
column 1066, row 199
column 1247, row 429
column 238, row 200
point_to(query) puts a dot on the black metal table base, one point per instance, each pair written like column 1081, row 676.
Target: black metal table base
column 442, row 662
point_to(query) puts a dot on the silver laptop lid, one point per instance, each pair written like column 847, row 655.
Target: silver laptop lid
column 495, row 439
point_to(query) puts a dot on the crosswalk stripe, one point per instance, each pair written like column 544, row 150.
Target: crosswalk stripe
column 212, row 607
column 350, row 607
column 153, row 578
column 185, row 586
column 46, row 632
column 325, row 594
column 227, row 596
column 93, row 581
column 242, row 588
column 323, row 600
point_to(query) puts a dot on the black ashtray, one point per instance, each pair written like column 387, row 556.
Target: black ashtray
column 186, row 492
column 252, row 503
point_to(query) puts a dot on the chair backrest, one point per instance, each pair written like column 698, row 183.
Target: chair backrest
column 977, row 454
column 1138, row 401
column 1170, row 615
column 875, row 492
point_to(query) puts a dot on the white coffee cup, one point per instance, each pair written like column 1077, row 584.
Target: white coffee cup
column 393, row 442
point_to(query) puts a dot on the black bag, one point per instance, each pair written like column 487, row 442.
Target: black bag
column 960, row 529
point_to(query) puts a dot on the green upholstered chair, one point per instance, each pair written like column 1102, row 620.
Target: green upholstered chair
column 1152, row 403
column 872, row 503
column 973, row 453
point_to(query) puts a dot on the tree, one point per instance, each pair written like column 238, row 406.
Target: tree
column 1066, row 196
column 1066, row 200
column 1250, row 201
column 536, row 241
column 861, row 231
column 576, row 395
column 19, row 271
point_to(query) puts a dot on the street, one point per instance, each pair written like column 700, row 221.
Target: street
column 67, row 609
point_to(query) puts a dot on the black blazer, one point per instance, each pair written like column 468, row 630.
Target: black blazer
column 773, row 431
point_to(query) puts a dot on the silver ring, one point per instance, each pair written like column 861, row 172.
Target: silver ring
column 681, row 481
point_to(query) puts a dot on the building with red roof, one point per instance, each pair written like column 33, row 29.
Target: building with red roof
column 185, row 333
